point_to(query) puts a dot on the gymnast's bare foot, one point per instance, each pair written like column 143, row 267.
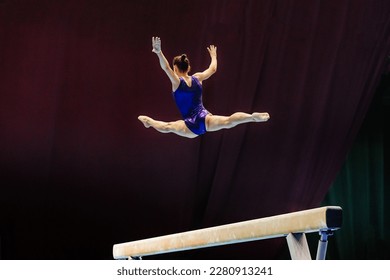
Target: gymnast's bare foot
column 145, row 120
column 260, row 117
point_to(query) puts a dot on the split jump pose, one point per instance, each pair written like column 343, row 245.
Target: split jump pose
column 187, row 92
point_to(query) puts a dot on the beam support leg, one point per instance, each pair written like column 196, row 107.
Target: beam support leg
column 297, row 244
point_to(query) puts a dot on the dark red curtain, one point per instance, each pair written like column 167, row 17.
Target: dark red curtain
column 80, row 173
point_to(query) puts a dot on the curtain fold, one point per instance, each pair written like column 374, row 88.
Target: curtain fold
column 361, row 191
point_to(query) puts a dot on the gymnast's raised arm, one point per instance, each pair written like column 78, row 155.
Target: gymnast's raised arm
column 212, row 67
column 156, row 43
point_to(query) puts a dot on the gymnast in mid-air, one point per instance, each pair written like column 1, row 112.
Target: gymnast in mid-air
column 187, row 93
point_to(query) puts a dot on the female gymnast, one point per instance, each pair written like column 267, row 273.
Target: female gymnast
column 187, row 92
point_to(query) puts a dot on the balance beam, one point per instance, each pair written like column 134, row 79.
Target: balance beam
column 324, row 220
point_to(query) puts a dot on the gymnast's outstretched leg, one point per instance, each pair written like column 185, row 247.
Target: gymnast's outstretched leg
column 177, row 127
column 215, row 122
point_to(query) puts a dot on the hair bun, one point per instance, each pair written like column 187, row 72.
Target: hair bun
column 182, row 62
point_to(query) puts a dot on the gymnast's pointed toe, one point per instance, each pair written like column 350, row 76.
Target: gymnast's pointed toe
column 145, row 120
column 261, row 117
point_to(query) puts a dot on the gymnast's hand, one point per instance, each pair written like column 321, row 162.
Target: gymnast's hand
column 212, row 51
column 156, row 43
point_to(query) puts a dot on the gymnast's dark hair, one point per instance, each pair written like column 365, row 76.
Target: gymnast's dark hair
column 182, row 62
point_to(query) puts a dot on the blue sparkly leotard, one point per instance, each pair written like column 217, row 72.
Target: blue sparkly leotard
column 189, row 101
